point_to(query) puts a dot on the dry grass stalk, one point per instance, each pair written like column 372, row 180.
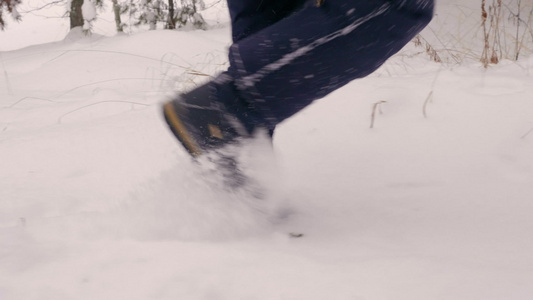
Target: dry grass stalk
column 428, row 99
column 419, row 41
column 375, row 107
column 491, row 32
column 526, row 134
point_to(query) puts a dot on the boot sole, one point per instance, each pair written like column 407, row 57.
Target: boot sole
column 180, row 131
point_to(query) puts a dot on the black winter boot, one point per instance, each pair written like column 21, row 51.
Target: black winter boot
column 202, row 124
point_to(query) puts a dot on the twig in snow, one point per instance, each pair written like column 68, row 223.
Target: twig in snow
column 98, row 82
column 198, row 73
column 430, row 95
column 428, row 99
column 296, row 235
column 375, row 107
column 526, row 134
column 8, row 84
column 25, row 98
column 60, row 119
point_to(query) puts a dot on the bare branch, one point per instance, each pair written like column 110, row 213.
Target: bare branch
column 57, row 2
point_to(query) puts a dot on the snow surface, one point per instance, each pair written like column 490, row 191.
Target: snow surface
column 98, row 201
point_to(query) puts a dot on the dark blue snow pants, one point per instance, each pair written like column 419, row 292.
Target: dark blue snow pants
column 288, row 53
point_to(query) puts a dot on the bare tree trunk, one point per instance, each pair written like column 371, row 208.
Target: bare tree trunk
column 518, row 20
column 76, row 15
column 485, row 54
column 118, row 21
column 171, row 24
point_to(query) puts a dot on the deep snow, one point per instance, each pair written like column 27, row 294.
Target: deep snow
column 97, row 200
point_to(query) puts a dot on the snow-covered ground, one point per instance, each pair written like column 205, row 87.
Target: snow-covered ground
column 98, row 201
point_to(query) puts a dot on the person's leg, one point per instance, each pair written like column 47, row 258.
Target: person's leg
column 279, row 70
column 249, row 17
